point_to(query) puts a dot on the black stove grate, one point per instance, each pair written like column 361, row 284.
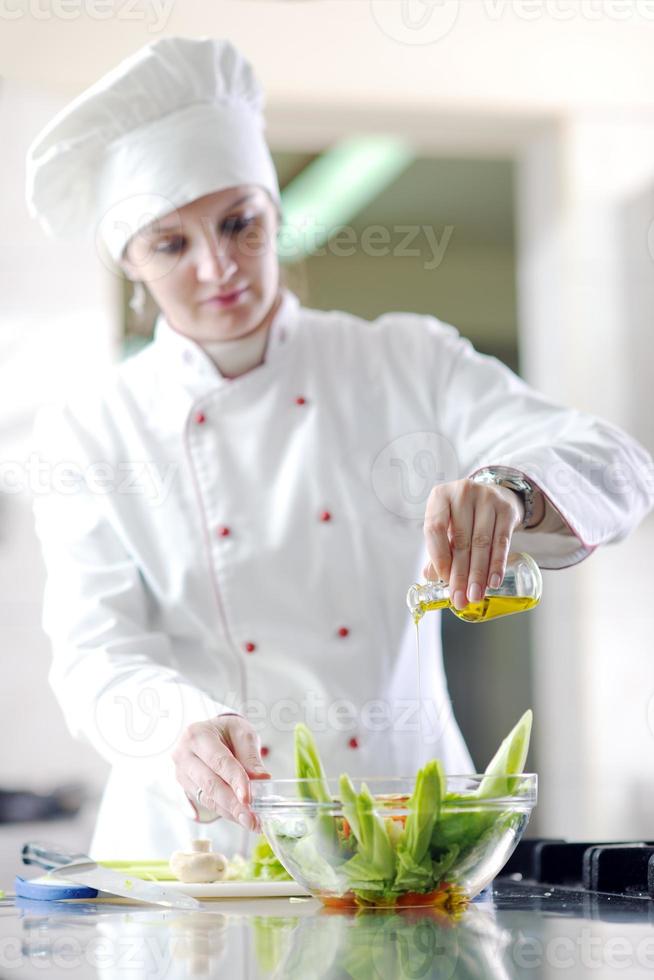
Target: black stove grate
column 616, row 867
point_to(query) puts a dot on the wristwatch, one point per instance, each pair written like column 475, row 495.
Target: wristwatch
column 504, row 476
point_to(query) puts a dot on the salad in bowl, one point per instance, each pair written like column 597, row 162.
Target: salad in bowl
column 432, row 840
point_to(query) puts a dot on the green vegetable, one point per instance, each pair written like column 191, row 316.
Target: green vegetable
column 375, row 860
column 379, row 856
column 264, row 863
column 272, row 939
column 509, row 759
column 307, row 855
column 349, row 802
column 411, row 875
column 468, row 819
column 415, row 866
column 424, row 808
column 309, row 766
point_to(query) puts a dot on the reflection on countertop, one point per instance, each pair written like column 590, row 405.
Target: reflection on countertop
column 520, row 931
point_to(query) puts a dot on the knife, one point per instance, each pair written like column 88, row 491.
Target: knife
column 81, row 868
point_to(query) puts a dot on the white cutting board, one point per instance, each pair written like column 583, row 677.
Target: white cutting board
column 214, row 890
column 238, row 889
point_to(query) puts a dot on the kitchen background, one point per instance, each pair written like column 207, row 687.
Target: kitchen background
column 527, row 136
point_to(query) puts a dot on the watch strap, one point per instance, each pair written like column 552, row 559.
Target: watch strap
column 504, row 476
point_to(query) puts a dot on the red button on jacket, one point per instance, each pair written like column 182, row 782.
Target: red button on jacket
column 200, row 418
column 325, row 516
column 353, row 743
column 223, row 532
column 250, row 647
column 264, row 751
column 343, row 631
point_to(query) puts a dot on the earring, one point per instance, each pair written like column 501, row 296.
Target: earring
column 137, row 299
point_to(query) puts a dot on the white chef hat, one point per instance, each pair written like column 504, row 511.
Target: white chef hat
column 178, row 119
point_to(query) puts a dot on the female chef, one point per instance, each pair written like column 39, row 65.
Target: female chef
column 230, row 548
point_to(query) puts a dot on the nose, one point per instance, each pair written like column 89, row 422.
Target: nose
column 215, row 262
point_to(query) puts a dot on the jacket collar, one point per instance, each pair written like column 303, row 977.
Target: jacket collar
column 191, row 365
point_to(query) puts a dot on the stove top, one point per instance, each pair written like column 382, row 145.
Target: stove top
column 623, row 868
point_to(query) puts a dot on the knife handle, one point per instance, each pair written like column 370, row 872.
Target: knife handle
column 50, row 856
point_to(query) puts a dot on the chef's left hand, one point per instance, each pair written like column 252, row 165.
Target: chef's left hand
column 468, row 528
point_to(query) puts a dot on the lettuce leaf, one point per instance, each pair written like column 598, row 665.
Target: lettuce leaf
column 424, row 809
column 264, row 863
column 509, row 759
column 349, row 804
column 306, row 854
column 375, row 848
column 308, row 765
column 411, row 875
column 466, row 825
column 441, row 865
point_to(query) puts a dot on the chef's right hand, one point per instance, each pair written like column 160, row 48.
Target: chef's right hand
column 220, row 757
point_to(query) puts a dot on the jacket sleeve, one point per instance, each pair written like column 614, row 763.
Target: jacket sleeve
column 113, row 676
column 598, row 479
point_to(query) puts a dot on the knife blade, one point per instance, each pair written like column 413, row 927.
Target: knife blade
column 81, row 868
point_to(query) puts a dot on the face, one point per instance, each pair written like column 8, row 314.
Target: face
column 211, row 266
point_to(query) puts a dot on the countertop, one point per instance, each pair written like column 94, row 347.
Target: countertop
column 518, row 930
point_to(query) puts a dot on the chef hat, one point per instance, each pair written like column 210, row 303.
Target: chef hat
column 178, row 119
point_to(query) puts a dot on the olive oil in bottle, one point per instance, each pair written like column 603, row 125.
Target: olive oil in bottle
column 520, row 590
column 490, row 607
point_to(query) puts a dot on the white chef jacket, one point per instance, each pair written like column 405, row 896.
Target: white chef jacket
column 246, row 545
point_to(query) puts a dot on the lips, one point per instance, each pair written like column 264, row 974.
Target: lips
column 225, row 297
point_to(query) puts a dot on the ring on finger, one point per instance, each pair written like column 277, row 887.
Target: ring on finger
column 198, row 794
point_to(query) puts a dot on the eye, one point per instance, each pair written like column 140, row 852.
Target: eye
column 170, row 246
column 232, row 226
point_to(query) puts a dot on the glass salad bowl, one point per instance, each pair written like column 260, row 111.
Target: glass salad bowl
column 395, row 842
